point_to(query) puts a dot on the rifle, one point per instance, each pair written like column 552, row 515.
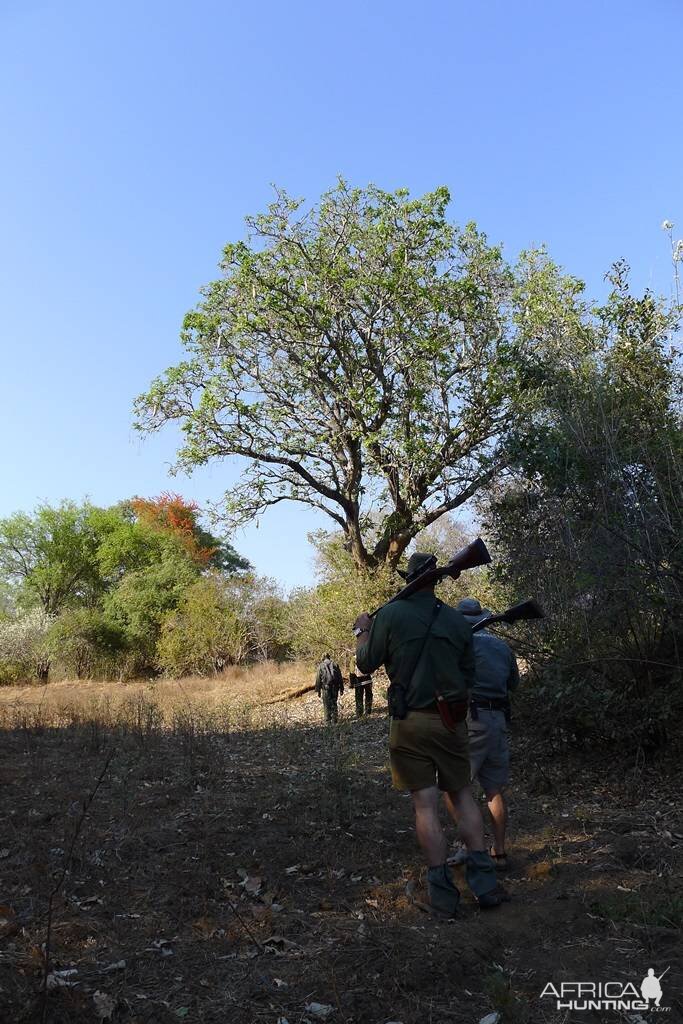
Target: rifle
column 469, row 557
column 525, row 610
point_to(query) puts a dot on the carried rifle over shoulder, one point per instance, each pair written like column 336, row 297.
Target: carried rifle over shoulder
column 519, row 612
column 469, row 557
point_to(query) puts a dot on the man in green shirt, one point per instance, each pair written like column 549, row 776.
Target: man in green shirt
column 329, row 684
column 426, row 648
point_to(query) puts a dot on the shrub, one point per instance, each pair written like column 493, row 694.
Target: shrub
column 24, row 648
column 85, row 642
column 205, row 633
column 590, row 519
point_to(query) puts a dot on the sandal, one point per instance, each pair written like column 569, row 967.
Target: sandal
column 500, row 860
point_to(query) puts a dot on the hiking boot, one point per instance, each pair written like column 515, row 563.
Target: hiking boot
column 480, row 874
column 444, row 897
column 493, row 898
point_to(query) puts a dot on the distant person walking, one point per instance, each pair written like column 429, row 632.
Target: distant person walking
column 329, row 684
column 496, row 675
column 362, row 689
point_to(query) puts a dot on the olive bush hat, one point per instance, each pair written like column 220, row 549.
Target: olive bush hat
column 418, row 563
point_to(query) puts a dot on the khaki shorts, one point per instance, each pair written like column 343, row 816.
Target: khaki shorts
column 423, row 752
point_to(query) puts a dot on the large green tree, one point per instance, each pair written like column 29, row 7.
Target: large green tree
column 355, row 354
column 49, row 558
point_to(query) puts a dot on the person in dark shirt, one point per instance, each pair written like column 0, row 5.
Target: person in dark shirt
column 362, row 688
column 426, row 648
column 329, row 684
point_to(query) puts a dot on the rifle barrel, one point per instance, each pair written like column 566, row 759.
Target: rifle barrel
column 469, row 557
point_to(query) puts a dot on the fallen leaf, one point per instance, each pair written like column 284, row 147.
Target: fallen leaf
column 252, row 884
column 8, row 922
column 104, row 1005
column 61, row 979
column 321, row 1010
column 204, row 926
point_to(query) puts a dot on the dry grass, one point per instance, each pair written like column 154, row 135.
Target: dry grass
column 236, row 687
column 239, row 863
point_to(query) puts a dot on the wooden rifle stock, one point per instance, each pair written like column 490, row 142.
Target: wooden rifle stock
column 469, row 557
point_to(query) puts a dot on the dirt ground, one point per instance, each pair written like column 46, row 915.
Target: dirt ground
column 240, row 862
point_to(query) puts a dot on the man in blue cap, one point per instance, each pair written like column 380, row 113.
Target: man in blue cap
column 426, row 648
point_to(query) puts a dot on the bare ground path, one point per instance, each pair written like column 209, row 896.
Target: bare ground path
column 246, row 864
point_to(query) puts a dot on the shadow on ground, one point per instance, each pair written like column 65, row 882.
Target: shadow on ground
column 249, row 872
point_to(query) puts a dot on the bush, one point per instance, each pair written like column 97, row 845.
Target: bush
column 320, row 617
column 85, row 642
column 590, row 522
column 24, row 649
column 205, row 633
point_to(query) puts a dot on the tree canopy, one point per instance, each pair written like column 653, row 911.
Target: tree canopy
column 355, row 354
column 50, row 557
column 90, row 586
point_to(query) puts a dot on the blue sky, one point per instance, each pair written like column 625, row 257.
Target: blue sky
column 136, row 136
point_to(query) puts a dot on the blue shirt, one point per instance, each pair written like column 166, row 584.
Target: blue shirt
column 496, row 667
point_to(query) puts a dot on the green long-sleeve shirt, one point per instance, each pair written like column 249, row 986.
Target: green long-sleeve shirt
column 397, row 632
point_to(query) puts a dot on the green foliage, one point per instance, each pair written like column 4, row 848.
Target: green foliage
column 589, row 518
column 512, row 1008
column 321, row 617
column 85, row 642
column 443, row 539
column 109, row 575
column 267, row 613
column 50, row 557
column 658, row 905
column 222, row 621
column 357, row 356
column 205, row 633
column 139, row 602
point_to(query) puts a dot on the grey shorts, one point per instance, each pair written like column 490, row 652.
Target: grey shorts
column 489, row 750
